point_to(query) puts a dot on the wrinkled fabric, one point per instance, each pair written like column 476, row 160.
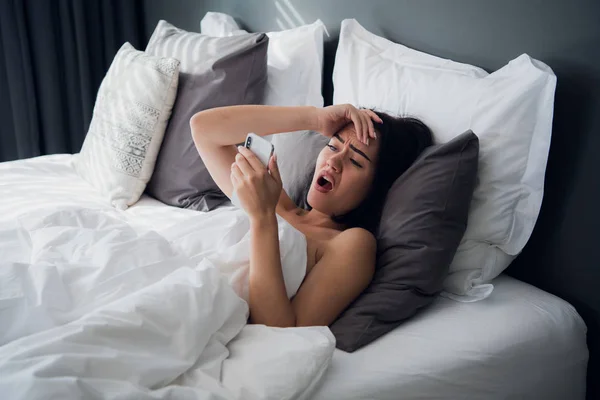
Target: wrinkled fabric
column 101, row 303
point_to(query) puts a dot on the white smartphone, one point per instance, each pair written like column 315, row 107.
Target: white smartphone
column 263, row 149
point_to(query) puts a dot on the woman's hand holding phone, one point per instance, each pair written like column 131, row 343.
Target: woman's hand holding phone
column 256, row 188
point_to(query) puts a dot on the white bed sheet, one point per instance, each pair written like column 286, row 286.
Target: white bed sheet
column 52, row 181
column 76, row 272
column 520, row 343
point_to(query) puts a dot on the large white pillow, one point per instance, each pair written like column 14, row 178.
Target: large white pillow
column 219, row 25
column 132, row 109
column 294, row 60
column 510, row 110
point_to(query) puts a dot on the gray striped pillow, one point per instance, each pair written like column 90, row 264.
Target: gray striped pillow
column 130, row 116
column 214, row 72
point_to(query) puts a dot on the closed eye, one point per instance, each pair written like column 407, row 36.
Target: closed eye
column 356, row 163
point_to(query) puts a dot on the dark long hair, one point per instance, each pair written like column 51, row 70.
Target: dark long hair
column 401, row 141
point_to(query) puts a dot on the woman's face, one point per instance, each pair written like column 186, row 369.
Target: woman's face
column 343, row 174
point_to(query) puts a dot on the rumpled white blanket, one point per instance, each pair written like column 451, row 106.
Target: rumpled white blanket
column 95, row 306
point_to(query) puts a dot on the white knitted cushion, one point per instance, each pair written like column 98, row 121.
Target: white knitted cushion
column 132, row 109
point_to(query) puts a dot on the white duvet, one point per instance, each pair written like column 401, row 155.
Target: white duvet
column 96, row 304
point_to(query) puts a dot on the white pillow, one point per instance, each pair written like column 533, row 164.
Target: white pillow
column 510, row 110
column 132, row 109
column 294, row 60
column 219, row 25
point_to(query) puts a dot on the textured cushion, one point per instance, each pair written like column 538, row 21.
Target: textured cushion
column 214, row 72
column 511, row 112
column 423, row 221
column 132, row 109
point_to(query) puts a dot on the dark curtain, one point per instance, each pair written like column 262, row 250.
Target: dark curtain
column 53, row 57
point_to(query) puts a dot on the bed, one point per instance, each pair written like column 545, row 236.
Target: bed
column 104, row 292
column 520, row 343
column 561, row 255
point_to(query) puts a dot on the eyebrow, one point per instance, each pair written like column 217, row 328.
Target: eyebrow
column 352, row 147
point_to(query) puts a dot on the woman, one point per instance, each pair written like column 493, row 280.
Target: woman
column 367, row 151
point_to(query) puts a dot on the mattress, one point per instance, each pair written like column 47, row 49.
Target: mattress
column 521, row 342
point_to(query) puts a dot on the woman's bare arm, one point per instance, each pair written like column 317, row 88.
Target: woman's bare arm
column 216, row 131
column 229, row 125
column 344, row 271
column 268, row 299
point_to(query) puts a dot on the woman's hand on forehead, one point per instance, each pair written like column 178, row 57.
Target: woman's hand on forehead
column 333, row 118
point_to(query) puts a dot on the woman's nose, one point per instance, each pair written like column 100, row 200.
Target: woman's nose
column 335, row 162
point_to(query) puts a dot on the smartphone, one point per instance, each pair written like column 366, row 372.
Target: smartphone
column 263, row 149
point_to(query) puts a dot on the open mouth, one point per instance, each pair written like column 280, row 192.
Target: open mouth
column 324, row 185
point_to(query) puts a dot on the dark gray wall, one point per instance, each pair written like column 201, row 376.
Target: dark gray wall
column 561, row 256
column 185, row 14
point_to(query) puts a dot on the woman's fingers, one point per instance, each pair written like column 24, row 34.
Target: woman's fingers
column 274, row 168
column 371, row 124
column 236, row 174
column 370, row 128
column 251, row 158
column 371, row 117
column 365, row 128
column 374, row 116
column 358, row 124
column 363, row 121
column 362, row 128
column 243, row 164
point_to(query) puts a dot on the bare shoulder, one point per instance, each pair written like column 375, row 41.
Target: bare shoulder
column 347, row 266
column 356, row 239
column 354, row 235
column 355, row 247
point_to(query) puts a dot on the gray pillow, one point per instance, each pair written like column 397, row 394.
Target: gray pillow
column 422, row 223
column 214, row 72
column 297, row 153
column 423, row 220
